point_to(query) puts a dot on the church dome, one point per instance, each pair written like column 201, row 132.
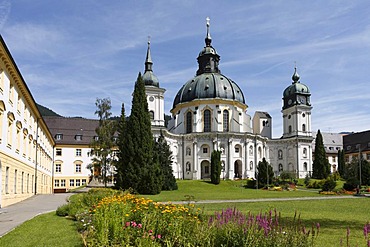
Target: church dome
column 209, row 83
column 297, row 87
column 148, row 77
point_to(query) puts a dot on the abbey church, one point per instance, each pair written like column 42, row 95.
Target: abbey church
column 209, row 113
column 42, row 155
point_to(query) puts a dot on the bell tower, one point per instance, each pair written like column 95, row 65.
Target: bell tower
column 296, row 109
column 154, row 94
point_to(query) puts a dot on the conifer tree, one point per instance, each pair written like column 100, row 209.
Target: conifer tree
column 321, row 165
column 216, row 166
column 265, row 173
column 139, row 170
column 163, row 156
column 341, row 162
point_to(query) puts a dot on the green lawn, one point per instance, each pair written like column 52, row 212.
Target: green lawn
column 226, row 190
column 334, row 215
column 44, row 230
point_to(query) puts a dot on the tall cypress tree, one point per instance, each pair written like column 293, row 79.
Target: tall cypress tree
column 341, row 162
column 321, row 165
column 163, row 155
column 139, row 170
column 215, row 166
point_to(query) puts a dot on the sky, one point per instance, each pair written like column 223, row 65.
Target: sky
column 72, row 52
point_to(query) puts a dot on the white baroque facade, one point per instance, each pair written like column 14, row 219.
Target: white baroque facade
column 210, row 113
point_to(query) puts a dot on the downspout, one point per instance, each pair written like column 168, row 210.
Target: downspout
column 183, row 158
column 52, row 172
column 37, row 137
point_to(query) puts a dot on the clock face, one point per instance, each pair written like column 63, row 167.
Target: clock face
column 302, row 99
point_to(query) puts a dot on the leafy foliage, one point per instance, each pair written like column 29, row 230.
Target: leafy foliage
column 321, row 165
column 352, row 172
column 216, row 166
column 102, row 146
column 329, row 184
column 341, row 162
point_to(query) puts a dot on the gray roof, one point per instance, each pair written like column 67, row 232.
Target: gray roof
column 332, row 141
column 70, row 128
column 355, row 142
column 262, row 114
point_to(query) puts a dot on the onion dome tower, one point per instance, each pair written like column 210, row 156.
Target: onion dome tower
column 296, row 109
column 209, row 98
column 209, row 83
column 154, row 94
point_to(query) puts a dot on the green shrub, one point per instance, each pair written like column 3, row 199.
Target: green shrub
column 63, row 210
column 251, row 184
column 329, row 184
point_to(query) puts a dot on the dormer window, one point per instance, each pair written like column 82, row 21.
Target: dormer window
column 59, row 137
column 96, row 138
column 78, row 137
column 115, row 138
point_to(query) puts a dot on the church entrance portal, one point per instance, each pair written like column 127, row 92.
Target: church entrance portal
column 238, row 169
column 206, row 169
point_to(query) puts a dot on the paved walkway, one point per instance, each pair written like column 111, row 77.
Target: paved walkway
column 16, row 214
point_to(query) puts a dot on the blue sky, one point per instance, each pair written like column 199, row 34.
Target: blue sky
column 72, row 52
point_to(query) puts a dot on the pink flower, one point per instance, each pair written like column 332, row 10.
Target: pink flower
column 139, row 225
column 150, row 231
column 127, row 224
column 159, row 236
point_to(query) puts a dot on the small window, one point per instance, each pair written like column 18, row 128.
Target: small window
column 237, row 150
column 280, row 154
column 280, row 167
column 305, row 166
column 348, row 147
column 303, row 127
column 290, row 129
column 251, row 165
column 78, row 182
column 96, row 138
column 78, row 137
column 151, row 114
column 188, row 167
column 58, row 168
column 56, row 183
column 59, row 137
column 78, row 152
column 58, row 152
column 188, row 151
column 63, row 183
column 71, row 182
column 78, row 168
column 205, row 150
column 115, row 139
column 83, row 181
column 334, row 159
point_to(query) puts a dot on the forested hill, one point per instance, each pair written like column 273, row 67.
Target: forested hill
column 46, row 112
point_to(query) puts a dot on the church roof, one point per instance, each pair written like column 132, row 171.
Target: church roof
column 148, row 77
column 209, row 83
column 297, row 87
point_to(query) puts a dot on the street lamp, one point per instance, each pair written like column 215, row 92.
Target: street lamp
column 359, row 161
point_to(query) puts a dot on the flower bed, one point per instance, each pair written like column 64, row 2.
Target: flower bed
column 128, row 220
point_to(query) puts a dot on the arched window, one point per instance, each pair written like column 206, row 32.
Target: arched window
column 250, row 150
column 189, row 122
column 305, row 166
column 280, row 167
column 226, row 120
column 280, row 154
column 304, row 152
column 188, row 167
column 207, row 120
column 290, row 129
column 151, row 114
column 188, row 151
column 303, row 127
column 259, row 152
column 251, row 165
